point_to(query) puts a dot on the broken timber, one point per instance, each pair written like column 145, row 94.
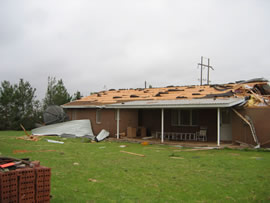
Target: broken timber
column 251, row 126
column 141, row 155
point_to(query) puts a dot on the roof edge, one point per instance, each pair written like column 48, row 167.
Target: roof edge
column 156, row 106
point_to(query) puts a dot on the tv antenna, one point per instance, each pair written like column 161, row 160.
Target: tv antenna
column 208, row 68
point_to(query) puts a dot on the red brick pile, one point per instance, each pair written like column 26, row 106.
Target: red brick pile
column 25, row 185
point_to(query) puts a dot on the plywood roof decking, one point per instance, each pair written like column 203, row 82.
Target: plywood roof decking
column 164, row 93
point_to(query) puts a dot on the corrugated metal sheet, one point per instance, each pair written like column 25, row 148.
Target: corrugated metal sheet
column 75, row 128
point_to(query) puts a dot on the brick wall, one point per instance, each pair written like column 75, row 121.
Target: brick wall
column 260, row 117
column 128, row 118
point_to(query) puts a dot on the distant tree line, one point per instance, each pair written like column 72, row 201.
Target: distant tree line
column 19, row 104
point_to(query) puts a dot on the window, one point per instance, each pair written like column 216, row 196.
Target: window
column 98, row 116
column 186, row 117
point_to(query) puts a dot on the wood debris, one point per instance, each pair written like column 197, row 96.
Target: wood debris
column 141, row 155
column 92, row 180
column 176, row 157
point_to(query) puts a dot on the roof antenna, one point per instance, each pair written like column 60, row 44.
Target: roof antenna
column 145, row 84
column 208, row 68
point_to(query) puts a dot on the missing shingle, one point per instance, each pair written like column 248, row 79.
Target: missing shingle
column 181, row 97
column 189, row 87
column 133, row 96
column 175, row 90
column 117, row 97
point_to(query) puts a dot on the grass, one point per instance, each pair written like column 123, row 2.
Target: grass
column 190, row 176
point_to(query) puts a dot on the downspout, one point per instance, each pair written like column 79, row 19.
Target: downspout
column 251, row 126
column 218, row 127
column 117, row 122
column 162, row 125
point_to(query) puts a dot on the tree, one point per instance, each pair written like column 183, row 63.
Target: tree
column 77, row 96
column 26, row 105
column 18, row 105
column 56, row 93
column 6, row 105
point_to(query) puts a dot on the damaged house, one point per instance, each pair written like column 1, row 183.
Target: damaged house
column 234, row 112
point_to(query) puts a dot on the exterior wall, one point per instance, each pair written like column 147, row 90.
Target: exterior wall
column 151, row 119
column 260, row 118
column 128, row 118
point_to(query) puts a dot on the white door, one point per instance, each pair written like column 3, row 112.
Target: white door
column 226, row 125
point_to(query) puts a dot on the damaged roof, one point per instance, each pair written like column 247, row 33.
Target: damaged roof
column 258, row 90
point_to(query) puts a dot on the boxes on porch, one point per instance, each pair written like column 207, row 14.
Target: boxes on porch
column 131, row 132
column 142, row 131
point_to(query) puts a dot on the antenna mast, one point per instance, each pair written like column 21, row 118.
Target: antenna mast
column 208, row 68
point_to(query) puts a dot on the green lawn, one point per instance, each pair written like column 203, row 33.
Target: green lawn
column 193, row 176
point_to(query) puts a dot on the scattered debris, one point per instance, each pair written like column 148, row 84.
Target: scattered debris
column 55, row 141
column 102, row 135
column 74, row 128
column 103, row 147
column 28, row 138
column 148, row 138
column 123, row 146
column 145, row 143
column 200, row 149
column 176, row 157
column 141, row 155
column 76, row 164
column 29, row 151
column 24, row 130
column 20, row 151
column 92, row 180
column 257, row 158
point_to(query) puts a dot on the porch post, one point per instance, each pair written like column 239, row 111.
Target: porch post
column 218, row 127
column 117, row 120
column 162, row 125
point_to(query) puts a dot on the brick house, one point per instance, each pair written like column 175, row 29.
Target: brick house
column 214, row 113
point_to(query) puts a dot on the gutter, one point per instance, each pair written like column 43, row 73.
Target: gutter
column 126, row 105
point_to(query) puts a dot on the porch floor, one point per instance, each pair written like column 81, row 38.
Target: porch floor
column 170, row 142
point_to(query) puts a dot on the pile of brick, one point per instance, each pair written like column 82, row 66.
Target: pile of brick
column 28, row 184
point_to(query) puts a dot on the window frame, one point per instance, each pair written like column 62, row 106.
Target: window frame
column 179, row 121
column 98, row 116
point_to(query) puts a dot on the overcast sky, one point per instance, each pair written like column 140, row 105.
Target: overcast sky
column 92, row 44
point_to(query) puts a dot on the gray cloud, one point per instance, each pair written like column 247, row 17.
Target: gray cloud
column 121, row 44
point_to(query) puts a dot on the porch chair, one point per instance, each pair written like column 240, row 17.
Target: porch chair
column 202, row 134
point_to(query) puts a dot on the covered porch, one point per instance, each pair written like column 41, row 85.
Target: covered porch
column 197, row 121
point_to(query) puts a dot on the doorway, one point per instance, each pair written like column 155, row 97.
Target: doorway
column 226, row 125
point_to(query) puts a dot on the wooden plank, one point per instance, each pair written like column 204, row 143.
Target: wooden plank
column 141, row 155
column 24, row 130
